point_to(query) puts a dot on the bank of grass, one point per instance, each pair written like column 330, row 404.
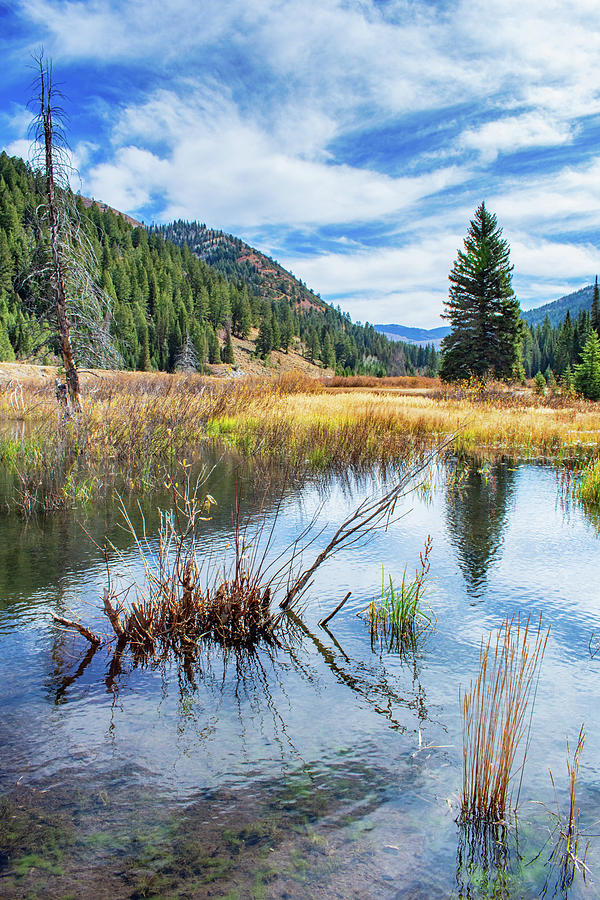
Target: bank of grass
column 362, row 425
column 134, row 423
column 588, row 485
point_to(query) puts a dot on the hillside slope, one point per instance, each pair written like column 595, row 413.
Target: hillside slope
column 238, row 261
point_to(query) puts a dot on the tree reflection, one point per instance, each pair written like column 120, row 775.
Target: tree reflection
column 477, row 506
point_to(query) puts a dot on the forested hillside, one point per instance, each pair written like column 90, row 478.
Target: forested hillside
column 557, row 350
column 172, row 308
column 321, row 326
column 556, row 310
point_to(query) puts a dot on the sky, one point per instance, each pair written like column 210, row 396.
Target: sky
column 352, row 140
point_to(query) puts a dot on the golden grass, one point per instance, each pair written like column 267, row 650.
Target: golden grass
column 372, row 426
column 133, row 423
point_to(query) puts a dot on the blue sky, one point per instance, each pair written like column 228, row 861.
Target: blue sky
column 350, row 140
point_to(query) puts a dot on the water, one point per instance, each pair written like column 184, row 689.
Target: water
column 327, row 768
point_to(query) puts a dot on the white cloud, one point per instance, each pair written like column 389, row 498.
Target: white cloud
column 20, row 147
column 514, row 133
column 565, row 200
column 129, row 182
column 254, row 135
column 396, row 284
column 111, row 30
column 554, row 259
column 227, row 170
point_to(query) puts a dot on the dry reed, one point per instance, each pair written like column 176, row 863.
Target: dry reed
column 494, row 718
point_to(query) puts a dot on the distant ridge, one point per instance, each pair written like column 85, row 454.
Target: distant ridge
column 412, row 335
column 557, row 309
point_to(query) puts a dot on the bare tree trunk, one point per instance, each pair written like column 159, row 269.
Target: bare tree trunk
column 60, row 300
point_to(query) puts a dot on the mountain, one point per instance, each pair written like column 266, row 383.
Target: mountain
column 357, row 347
column 104, row 207
column 419, row 336
column 557, row 309
column 238, row 261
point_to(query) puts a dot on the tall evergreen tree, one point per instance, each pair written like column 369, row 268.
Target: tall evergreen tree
column 482, row 307
column 587, row 373
column 264, row 341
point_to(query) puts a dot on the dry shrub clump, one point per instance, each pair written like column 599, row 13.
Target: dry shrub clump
column 179, row 602
column 391, row 381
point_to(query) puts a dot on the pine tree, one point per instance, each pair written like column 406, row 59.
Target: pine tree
column 287, row 327
column 482, row 308
column 144, row 358
column 275, row 331
column 227, row 351
column 595, row 313
column 241, row 315
column 212, row 341
column 7, row 354
column 264, row 341
column 587, row 373
column 327, row 351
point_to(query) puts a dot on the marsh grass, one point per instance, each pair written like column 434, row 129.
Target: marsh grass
column 587, row 488
column 399, row 616
column 132, row 422
column 494, row 718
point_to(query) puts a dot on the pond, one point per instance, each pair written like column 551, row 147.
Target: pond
column 328, row 767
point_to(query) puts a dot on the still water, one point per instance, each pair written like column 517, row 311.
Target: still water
column 327, row 768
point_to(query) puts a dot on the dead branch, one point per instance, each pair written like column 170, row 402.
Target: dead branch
column 87, row 633
column 371, row 515
column 112, row 614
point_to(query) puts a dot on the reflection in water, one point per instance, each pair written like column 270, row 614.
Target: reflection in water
column 372, row 684
column 326, row 768
column 477, row 515
column 488, row 860
column 249, row 674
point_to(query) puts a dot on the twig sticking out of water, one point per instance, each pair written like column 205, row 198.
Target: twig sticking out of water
column 328, row 618
column 494, row 715
column 565, row 858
